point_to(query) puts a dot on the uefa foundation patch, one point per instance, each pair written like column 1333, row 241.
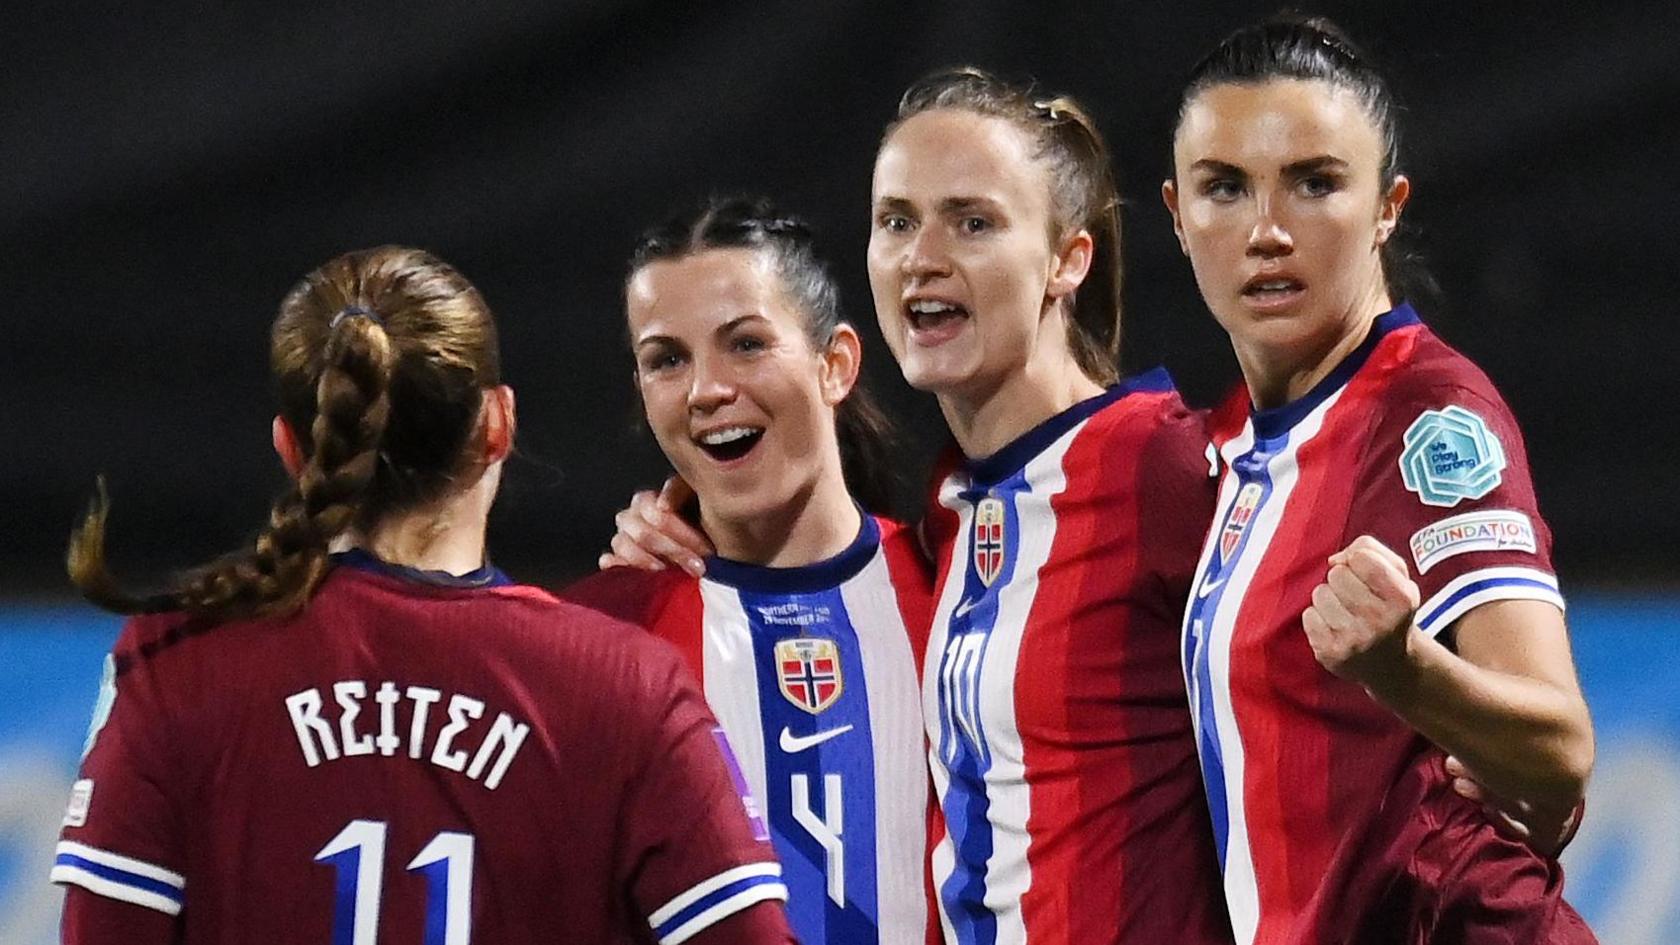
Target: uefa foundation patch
column 1450, row 455
column 1500, row 530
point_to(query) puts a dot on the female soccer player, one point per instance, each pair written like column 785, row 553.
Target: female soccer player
column 358, row 730
column 812, row 616
column 1064, row 535
column 1378, row 577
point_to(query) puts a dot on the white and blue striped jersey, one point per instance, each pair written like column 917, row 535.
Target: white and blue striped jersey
column 812, row 671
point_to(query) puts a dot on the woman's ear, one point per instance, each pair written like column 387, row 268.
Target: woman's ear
column 501, row 424
column 1169, row 196
column 841, row 362
column 1393, row 202
column 1073, row 263
column 286, row 446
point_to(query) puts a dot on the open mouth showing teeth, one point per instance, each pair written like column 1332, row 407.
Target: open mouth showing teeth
column 1265, row 287
column 926, row 314
column 730, row 442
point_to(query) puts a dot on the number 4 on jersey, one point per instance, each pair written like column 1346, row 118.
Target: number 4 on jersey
column 358, row 854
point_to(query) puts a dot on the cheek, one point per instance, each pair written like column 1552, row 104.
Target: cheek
column 662, row 406
column 1212, row 226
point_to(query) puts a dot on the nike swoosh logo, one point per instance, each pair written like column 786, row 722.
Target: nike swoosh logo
column 792, row 743
column 964, row 607
column 1209, row 586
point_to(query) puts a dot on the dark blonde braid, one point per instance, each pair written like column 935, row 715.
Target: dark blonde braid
column 381, row 357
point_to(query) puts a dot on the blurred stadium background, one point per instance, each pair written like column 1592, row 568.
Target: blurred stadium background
column 170, row 170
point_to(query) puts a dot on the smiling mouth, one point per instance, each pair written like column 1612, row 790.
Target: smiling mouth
column 930, row 317
column 1274, row 288
column 730, row 443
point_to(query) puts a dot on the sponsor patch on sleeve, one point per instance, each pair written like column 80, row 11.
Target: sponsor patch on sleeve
column 755, row 813
column 1495, row 530
column 81, row 798
column 1450, row 455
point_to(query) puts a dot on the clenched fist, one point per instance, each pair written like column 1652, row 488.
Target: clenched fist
column 1360, row 621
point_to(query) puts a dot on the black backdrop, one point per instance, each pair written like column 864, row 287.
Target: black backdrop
column 168, row 173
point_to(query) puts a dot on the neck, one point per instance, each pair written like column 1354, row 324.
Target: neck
column 447, row 535
column 1282, row 374
column 986, row 421
column 820, row 522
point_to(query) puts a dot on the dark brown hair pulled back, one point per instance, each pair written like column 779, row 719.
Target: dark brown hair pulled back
column 865, row 433
column 1294, row 46
column 1081, row 180
column 380, row 357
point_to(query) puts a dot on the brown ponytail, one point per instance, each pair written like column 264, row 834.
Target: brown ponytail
column 1083, row 195
column 380, row 357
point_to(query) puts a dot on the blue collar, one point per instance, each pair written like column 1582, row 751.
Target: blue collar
column 1276, row 421
column 1009, row 460
column 363, row 560
column 805, row 579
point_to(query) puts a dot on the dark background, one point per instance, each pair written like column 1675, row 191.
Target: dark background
column 169, row 173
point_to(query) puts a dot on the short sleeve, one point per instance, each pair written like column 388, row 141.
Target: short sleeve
column 121, row 837
column 1176, row 497
column 696, row 850
column 1445, row 483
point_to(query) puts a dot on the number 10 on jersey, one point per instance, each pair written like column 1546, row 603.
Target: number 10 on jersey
column 358, row 855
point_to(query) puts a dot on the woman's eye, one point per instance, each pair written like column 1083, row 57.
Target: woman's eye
column 663, row 361
column 976, row 224
column 749, row 343
column 1318, row 186
column 1222, row 188
column 893, row 222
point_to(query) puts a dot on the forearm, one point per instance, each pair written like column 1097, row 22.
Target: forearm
column 1524, row 737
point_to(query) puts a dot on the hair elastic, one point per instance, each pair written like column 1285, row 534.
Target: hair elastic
column 354, row 311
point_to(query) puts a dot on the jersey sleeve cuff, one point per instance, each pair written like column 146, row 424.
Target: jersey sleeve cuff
column 119, row 877
column 717, row 898
column 1468, row 591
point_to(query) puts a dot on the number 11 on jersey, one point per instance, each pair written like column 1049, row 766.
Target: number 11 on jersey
column 357, row 853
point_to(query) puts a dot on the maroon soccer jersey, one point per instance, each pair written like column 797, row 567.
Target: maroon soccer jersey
column 413, row 758
column 1333, row 818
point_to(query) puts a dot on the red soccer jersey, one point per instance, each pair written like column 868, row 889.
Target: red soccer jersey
column 1334, row 820
column 414, row 758
column 813, row 672
column 1061, row 742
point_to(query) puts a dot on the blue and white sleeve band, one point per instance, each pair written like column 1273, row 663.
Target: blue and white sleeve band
column 1480, row 587
column 717, row 898
column 119, row 877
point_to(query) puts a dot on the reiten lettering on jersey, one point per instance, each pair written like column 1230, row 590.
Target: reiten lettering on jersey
column 403, row 751
column 318, row 742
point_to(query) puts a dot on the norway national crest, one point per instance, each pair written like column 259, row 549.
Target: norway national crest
column 989, row 538
column 808, row 670
column 1242, row 512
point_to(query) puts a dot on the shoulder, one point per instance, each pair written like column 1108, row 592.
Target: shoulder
column 897, row 538
column 1435, row 375
column 599, row 639
column 630, row 595
column 907, row 562
column 1152, row 412
column 1162, row 438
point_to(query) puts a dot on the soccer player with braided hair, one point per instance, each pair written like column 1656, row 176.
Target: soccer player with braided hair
column 357, row 729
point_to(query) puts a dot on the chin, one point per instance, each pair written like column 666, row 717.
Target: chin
column 741, row 506
column 935, row 375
